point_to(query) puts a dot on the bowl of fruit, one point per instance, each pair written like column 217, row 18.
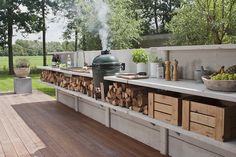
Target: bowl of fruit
column 224, row 81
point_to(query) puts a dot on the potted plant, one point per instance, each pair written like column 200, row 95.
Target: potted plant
column 140, row 57
column 22, row 67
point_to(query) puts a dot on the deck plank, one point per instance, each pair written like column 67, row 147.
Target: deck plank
column 48, row 128
column 11, row 131
column 25, row 138
column 1, row 151
column 7, row 146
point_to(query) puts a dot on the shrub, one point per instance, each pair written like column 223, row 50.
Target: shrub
column 22, row 63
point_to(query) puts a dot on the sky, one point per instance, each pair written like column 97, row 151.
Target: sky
column 54, row 31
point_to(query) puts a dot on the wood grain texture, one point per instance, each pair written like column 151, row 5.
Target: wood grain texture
column 36, row 125
column 1, row 151
column 203, row 108
column 203, row 119
column 166, row 99
column 220, row 125
column 150, row 105
column 205, row 130
column 163, row 108
column 186, row 115
column 167, row 108
column 162, row 116
column 217, row 122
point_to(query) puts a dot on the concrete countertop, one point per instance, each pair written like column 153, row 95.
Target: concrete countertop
column 65, row 71
column 182, row 86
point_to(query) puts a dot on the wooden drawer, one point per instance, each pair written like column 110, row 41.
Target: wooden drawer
column 165, row 108
column 215, row 121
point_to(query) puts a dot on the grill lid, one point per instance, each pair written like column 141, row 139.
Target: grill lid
column 105, row 59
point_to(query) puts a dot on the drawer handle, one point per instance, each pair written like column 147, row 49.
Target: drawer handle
column 153, row 124
column 177, row 133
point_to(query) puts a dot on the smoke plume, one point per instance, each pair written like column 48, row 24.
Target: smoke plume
column 102, row 10
column 95, row 14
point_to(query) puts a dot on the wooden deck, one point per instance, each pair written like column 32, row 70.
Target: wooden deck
column 36, row 125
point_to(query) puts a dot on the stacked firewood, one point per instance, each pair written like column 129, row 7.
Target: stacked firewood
column 48, row 76
column 132, row 97
column 76, row 83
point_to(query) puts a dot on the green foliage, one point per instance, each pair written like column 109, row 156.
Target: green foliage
column 125, row 28
column 204, row 22
column 22, row 63
column 139, row 56
column 34, row 48
column 34, row 61
column 154, row 59
column 155, row 14
column 6, row 82
column 27, row 19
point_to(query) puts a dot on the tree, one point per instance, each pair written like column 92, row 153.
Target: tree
column 46, row 5
column 34, row 48
column 123, row 30
column 3, row 25
column 26, row 20
column 154, row 14
column 73, row 30
column 19, row 50
column 204, row 22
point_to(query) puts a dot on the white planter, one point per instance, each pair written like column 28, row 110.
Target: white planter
column 153, row 69
column 141, row 67
column 22, row 72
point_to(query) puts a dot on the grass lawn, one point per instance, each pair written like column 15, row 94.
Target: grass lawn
column 6, row 84
column 6, row 81
column 34, row 61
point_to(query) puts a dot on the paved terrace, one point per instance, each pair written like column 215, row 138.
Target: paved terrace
column 35, row 125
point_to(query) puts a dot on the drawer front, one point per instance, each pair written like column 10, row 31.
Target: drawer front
column 203, row 119
column 162, row 116
column 165, row 99
column 201, row 129
column 163, row 108
column 208, row 120
column 203, row 108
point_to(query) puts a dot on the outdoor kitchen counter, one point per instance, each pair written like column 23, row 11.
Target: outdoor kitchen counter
column 77, row 99
column 182, row 86
column 68, row 72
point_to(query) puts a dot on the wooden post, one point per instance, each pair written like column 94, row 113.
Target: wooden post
column 186, row 115
column 150, row 105
column 220, row 126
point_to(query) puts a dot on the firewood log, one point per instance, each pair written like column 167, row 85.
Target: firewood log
column 137, row 109
column 142, row 99
column 145, row 110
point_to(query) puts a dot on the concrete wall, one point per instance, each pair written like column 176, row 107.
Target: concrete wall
column 190, row 58
column 156, row 40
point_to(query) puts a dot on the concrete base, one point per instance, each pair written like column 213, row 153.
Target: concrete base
column 22, row 85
